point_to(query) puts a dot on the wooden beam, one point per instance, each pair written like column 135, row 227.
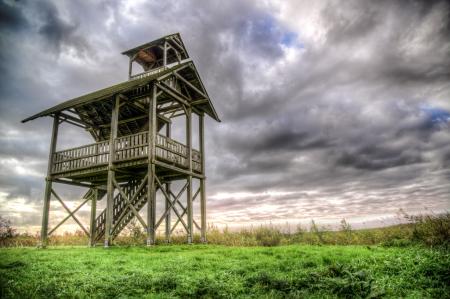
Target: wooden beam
column 170, row 205
column 71, row 214
column 190, row 85
column 125, row 121
column 177, row 44
column 165, row 54
column 73, row 123
column 201, row 127
column 198, row 102
column 127, row 201
column 173, row 93
column 170, row 108
column 168, row 196
column 74, row 183
column 92, row 227
column 177, row 169
column 130, row 68
column 111, row 172
column 67, row 217
column 48, row 184
column 151, row 190
column 133, row 198
column 179, row 69
column 189, row 177
column 64, row 116
column 168, row 185
column 185, row 211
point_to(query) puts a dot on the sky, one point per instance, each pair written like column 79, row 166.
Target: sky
column 329, row 109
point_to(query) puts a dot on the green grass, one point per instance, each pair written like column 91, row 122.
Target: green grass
column 211, row 271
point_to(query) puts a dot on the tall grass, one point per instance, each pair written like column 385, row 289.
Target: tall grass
column 430, row 230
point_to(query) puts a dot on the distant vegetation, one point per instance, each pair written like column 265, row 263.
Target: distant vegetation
column 430, row 230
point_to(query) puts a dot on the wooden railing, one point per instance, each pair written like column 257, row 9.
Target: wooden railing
column 126, row 148
column 81, row 157
column 148, row 73
column 131, row 147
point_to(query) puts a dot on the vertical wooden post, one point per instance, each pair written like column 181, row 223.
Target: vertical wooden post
column 165, row 54
column 93, row 228
column 151, row 190
column 111, row 172
column 48, row 183
column 167, row 205
column 189, row 177
column 201, row 126
column 130, row 68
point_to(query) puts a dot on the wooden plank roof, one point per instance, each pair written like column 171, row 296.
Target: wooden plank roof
column 109, row 92
column 158, row 41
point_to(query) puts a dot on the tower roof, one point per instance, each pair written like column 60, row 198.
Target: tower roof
column 184, row 69
column 143, row 53
column 128, row 86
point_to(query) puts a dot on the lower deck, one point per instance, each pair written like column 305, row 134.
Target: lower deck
column 89, row 163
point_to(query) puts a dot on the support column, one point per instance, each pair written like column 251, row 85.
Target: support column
column 111, row 172
column 190, row 219
column 93, row 228
column 201, row 126
column 48, row 183
column 151, row 188
column 167, row 205
column 130, row 68
column 165, row 54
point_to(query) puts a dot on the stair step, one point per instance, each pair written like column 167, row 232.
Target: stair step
column 118, row 208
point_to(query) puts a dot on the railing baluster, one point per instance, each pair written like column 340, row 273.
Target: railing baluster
column 126, row 148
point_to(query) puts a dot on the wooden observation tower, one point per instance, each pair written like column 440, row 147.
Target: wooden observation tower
column 133, row 157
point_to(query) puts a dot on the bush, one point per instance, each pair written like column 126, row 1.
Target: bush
column 6, row 231
column 432, row 229
column 268, row 236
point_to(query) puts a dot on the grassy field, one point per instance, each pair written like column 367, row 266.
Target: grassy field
column 212, row 271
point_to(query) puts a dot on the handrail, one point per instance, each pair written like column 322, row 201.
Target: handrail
column 148, row 73
column 126, row 148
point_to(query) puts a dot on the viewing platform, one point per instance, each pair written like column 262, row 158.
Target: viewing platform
column 90, row 162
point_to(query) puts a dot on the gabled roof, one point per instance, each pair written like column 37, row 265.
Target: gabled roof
column 123, row 87
column 170, row 38
column 97, row 95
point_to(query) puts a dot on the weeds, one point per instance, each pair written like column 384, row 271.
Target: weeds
column 431, row 230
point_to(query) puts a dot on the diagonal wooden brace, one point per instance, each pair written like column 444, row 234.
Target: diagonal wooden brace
column 71, row 214
column 185, row 211
column 124, row 211
column 133, row 209
column 68, row 216
column 173, row 207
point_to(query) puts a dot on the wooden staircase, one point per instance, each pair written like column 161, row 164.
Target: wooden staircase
column 122, row 213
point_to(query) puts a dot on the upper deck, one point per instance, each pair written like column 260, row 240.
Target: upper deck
column 130, row 153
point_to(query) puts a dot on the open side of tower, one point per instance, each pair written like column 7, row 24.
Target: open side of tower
column 133, row 156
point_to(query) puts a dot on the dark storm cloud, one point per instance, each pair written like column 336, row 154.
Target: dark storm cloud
column 11, row 17
column 55, row 30
column 338, row 106
column 374, row 158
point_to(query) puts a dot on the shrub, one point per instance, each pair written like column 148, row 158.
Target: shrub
column 317, row 231
column 268, row 236
column 431, row 229
column 6, row 230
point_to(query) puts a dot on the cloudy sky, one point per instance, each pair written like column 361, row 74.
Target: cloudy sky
column 329, row 110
